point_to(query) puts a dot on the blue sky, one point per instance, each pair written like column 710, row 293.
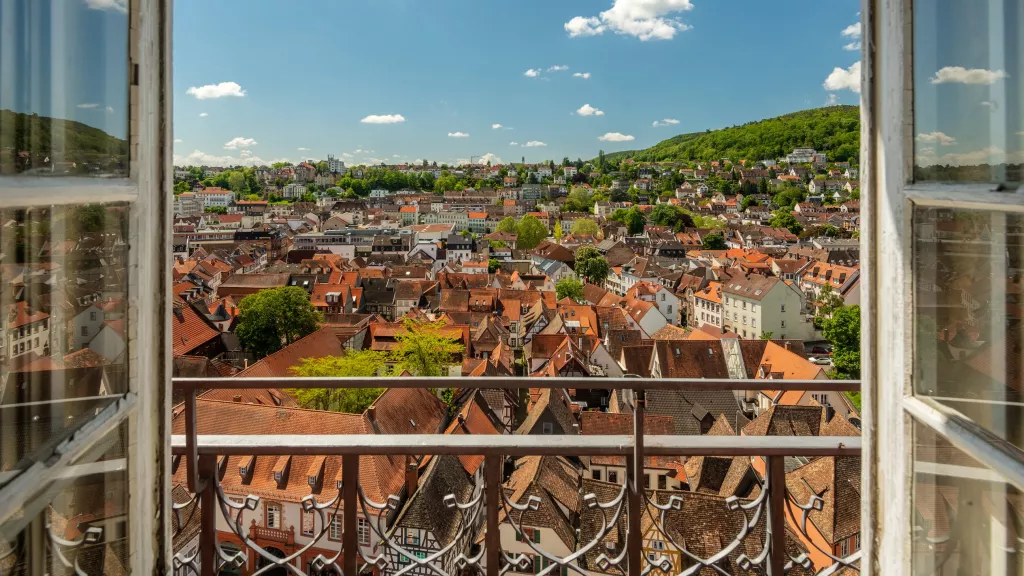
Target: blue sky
column 312, row 71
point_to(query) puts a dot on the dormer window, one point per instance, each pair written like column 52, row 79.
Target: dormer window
column 242, row 471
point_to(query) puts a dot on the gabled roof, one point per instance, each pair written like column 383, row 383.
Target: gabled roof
column 189, row 330
column 836, row 480
column 555, row 481
column 556, row 402
column 791, row 420
column 322, row 343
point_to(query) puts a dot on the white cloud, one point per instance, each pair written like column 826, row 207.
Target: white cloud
column 496, row 126
column 643, row 19
column 852, row 46
column 588, row 110
column 535, row 144
column 303, row 149
column 961, row 75
column 665, row 122
column 513, row 143
column 199, row 158
column 178, row 140
column 239, row 142
column 987, row 155
column 936, row 138
column 109, row 110
column 88, row 106
column 580, row 26
column 558, row 68
column 993, row 106
column 346, row 155
column 203, row 114
column 532, row 73
column 615, row 137
column 383, row 119
column 458, row 135
column 118, row 5
column 852, row 31
column 394, row 155
column 489, row 157
column 832, row 99
column 584, row 75
column 222, row 90
column 848, row 79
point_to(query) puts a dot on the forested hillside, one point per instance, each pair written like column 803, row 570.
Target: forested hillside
column 59, row 140
column 834, row 130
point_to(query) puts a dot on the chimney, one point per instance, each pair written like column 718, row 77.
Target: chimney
column 830, row 412
column 412, row 477
column 372, row 411
column 237, row 398
column 788, row 345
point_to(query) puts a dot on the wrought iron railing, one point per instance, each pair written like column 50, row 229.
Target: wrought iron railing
column 760, row 545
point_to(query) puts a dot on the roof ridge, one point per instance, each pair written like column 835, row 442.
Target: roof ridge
column 294, row 408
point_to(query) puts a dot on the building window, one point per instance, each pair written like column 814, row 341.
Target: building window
column 783, row 323
column 85, row 331
column 596, row 474
column 363, row 531
column 307, row 523
column 613, row 476
column 783, row 308
column 273, row 515
column 92, row 316
column 548, row 428
column 334, row 529
column 662, row 481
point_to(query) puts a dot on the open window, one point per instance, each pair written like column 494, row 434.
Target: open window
column 84, row 158
column 943, row 143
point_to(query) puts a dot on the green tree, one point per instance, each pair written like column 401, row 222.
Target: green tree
column 270, row 319
column 236, row 182
column 508, row 225
column 591, row 265
column 498, row 244
column 585, row 226
column 181, row 187
column 87, row 220
column 826, row 304
column 782, row 219
column 714, row 242
column 426, row 348
column 493, row 264
column 569, row 288
column 748, row 201
column 530, row 232
column 767, row 335
column 279, row 165
column 674, row 217
column 842, row 330
column 352, row 363
column 633, row 219
column 580, row 199
column 557, row 232
column 215, row 210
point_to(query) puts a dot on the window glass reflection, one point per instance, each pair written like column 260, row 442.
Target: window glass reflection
column 968, row 80
column 968, row 297
column 64, row 87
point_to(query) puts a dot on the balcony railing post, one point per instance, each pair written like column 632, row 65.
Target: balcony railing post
column 634, row 473
column 350, row 497
column 492, row 537
column 208, row 520
column 777, row 514
column 191, row 450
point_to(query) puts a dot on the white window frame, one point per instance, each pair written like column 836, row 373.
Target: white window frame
column 888, row 198
column 145, row 407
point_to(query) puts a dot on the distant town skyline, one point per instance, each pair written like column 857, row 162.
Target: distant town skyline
column 398, row 81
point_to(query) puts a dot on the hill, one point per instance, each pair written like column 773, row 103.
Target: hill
column 60, row 140
column 834, row 130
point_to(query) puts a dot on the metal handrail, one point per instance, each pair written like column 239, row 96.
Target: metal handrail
column 201, row 451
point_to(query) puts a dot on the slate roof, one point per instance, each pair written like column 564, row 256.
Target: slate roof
column 688, row 408
column 556, row 402
column 836, row 480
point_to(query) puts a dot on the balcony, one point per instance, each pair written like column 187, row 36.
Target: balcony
column 614, row 528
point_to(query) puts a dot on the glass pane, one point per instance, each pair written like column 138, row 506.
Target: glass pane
column 966, row 518
column 64, row 87
column 968, row 105
column 78, row 521
column 967, row 275
column 63, row 311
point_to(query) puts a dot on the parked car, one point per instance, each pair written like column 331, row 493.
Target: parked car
column 820, row 360
column 821, row 349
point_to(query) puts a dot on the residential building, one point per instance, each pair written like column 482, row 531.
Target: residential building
column 757, row 304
